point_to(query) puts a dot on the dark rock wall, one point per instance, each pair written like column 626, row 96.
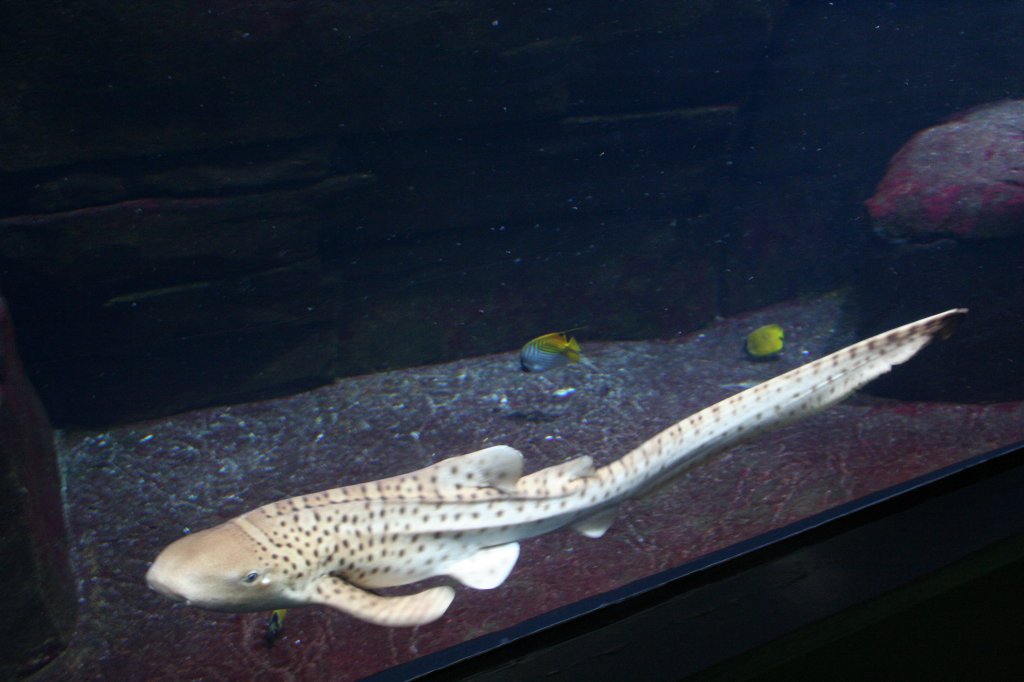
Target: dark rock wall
column 38, row 600
column 210, row 203
column 216, row 202
column 87, row 81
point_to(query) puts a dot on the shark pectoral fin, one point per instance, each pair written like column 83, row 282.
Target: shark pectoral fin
column 486, row 569
column 395, row 611
column 596, row 525
column 497, row 467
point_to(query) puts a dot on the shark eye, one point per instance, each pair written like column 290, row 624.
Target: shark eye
column 251, row 577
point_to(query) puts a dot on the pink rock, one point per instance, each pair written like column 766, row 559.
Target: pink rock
column 963, row 178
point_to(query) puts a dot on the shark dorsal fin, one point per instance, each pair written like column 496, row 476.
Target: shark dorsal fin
column 498, row 467
column 580, row 467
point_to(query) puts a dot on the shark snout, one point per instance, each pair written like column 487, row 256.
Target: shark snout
column 157, row 581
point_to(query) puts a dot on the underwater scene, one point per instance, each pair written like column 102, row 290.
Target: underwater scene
column 340, row 337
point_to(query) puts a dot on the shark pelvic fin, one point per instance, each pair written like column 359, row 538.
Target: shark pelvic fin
column 486, row 569
column 596, row 525
column 403, row 610
column 496, row 467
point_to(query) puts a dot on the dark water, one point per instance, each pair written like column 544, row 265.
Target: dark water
column 258, row 249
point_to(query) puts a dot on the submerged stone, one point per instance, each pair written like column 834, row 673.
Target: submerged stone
column 963, row 178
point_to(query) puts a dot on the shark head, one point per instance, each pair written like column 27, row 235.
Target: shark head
column 220, row 569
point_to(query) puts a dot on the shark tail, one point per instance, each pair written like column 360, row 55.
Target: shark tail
column 786, row 398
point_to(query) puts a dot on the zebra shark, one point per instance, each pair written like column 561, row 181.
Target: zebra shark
column 463, row 517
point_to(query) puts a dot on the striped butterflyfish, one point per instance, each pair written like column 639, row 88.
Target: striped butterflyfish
column 548, row 351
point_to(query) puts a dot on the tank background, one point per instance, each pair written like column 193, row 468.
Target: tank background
column 206, row 205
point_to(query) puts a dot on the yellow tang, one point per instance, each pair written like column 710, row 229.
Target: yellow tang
column 765, row 342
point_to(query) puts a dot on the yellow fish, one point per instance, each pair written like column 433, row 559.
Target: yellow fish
column 275, row 626
column 548, row 351
column 765, row 342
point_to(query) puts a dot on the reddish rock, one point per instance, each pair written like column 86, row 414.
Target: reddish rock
column 963, row 178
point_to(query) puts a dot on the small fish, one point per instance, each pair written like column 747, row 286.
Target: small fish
column 765, row 342
column 549, row 351
column 740, row 385
column 275, row 626
column 464, row 516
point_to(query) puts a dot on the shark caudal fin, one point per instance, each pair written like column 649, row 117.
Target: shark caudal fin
column 824, row 382
column 786, row 398
column 393, row 611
